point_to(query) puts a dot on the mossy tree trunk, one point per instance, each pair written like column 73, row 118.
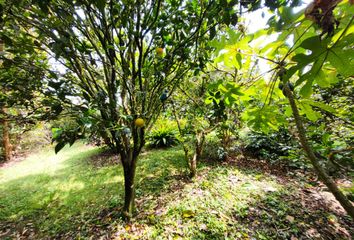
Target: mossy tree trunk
column 331, row 185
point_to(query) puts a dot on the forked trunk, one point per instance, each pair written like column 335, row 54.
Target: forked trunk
column 129, row 166
column 331, row 185
column 197, row 154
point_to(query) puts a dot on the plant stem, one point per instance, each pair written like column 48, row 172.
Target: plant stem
column 331, row 185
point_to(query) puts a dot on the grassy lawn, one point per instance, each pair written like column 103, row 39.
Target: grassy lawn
column 57, row 193
column 68, row 197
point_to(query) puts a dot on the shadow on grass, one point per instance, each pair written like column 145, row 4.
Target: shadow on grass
column 289, row 214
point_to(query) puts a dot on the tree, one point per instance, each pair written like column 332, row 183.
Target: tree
column 23, row 98
column 120, row 57
column 310, row 58
column 189, row 102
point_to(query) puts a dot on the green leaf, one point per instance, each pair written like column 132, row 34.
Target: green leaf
column 100, row 4
column 208, row 100
column 288, row 111
column 188, row 214
column 306, row 90
column 321, row 79
column 302, row 59
column 342, row 60
column 59, row 147
column 56, row 132
column 308, row 111
column 319, row 105
column 314, row 44
column 239, row 60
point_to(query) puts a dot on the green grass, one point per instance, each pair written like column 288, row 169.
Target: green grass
column 57, row 193
column 49, row 190
column 67, row 197
column 204, row 208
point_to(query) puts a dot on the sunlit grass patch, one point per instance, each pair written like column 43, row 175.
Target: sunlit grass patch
column 206, row 208
column 55, row 194
column 49, row 192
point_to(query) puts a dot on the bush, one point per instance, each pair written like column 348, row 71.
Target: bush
column 276, row 147
column 213, row 150
column 163, row 134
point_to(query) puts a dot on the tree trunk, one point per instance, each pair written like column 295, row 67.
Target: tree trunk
column 7, row 148
column 193, row 166
column 331, row 185
column 197, row 154
column 129, row 166
column 185, row 148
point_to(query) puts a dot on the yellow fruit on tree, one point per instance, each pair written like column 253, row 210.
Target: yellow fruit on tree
column 139, row 122
column 159, row 51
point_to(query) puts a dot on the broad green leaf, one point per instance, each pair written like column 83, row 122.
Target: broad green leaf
column 302, row 59
column 223, row 88
column 342, row 60
column 306, row 90
column 208, row 100
column 308, row 111
column 56, row 132
column 314, row 44
column 233, row 36
column 288, row 111
column 332, row 76
column 319, row 105
column 321, row 79
column 310, row 76
column 341, row 32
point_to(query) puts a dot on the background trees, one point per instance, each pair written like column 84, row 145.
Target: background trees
column 26, row 95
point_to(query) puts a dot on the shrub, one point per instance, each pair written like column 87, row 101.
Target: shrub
column 213, row 150
column 163, row 134
column 276, row 147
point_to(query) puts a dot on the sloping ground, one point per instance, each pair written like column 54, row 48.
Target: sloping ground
column 77, row 194
column 227, row 203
